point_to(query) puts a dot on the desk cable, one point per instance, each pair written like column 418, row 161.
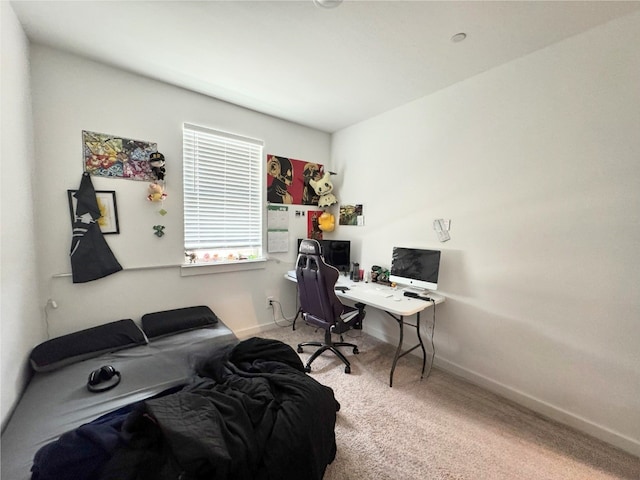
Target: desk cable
column 289, row 321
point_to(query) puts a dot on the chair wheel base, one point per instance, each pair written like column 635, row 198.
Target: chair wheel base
column 323, row 347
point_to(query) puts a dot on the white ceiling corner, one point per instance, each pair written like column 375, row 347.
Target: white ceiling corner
column 324, row 68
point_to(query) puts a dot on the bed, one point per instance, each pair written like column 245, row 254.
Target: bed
column 189, row 399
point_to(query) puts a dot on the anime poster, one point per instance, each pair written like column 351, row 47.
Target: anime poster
column 110, row 156
column 351, row 215
column 313, row 226
column 288, row 180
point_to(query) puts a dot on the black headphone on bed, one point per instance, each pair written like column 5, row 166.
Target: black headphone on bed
column 106, row 373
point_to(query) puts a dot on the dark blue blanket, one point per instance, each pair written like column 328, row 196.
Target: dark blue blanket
column 81, row 453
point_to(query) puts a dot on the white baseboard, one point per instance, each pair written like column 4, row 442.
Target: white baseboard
column 548, row 410
column 245, row 333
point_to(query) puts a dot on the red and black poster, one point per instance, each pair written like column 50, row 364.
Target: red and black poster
column 288, row 180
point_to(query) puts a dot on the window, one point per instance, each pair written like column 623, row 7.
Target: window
column 222, row 196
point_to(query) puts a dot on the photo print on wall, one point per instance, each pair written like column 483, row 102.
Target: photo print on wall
column 313, row 224
column 351, row 215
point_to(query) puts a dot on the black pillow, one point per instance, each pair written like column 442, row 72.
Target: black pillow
column 89, row 343
column 179, row 320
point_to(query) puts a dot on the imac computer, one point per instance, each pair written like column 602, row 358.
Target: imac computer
column 415, row 269
column 336, row 253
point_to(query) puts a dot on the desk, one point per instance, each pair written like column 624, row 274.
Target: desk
column 393, row 303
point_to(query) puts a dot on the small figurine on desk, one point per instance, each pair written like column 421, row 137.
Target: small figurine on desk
column 375, row 271
column 379, row 274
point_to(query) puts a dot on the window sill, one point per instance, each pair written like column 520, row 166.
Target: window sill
column 190, row 269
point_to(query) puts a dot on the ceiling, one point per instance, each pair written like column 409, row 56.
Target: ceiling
column 324, row 68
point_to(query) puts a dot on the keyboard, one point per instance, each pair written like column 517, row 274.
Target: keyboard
column 417, row 295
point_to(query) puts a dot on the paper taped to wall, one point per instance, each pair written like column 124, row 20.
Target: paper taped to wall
column 441, row 227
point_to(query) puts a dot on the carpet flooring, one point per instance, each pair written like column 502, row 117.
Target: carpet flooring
column 443, row 427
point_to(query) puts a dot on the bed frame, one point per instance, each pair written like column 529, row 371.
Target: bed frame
column 203, row 402
column 58, row 401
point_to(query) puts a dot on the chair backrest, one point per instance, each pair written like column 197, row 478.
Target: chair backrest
column 316, row 282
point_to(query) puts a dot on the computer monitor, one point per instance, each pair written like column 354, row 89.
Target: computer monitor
column 416, row 268
column 336, row 253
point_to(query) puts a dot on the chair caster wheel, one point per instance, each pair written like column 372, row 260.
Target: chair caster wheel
column 299, row 349
column 307, row 369
column 347, row 369
column 355, row 350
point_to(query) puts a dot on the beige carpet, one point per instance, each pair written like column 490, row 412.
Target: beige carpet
column 443, row 427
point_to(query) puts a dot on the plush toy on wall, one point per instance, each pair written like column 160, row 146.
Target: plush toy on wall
column 156, row 193
column 323, row 188
column 326, row 222
column 156, row 160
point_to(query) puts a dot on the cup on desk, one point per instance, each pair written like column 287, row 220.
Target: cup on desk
column 361, row 274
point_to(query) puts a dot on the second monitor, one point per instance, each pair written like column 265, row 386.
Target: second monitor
column 336, row 253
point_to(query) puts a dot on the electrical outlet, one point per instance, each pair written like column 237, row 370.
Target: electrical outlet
column 269, row 302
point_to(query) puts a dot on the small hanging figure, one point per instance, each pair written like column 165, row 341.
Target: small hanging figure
column 159, row 230
column 326, row 222
column 156, row 193
column 156, row 160
column 324, row 189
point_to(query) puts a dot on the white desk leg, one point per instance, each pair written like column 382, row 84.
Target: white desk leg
column 398, row 353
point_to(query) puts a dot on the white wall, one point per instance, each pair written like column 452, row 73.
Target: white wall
column 20, row 317
column 71, row 94
column 537, row 165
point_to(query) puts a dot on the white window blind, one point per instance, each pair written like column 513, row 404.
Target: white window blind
column 222, row 191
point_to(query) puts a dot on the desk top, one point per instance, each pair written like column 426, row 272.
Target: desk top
column 379, row 296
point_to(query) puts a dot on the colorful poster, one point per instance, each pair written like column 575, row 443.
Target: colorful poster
column 313, row 226
column 351, row 215
column 110, row 156
column 288, row 180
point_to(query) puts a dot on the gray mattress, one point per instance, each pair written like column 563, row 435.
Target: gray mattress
column 56, row 402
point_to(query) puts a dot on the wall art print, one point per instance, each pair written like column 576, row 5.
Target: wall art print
column 351, row 215
column 313, row 224
column 288, row 180
column 111, row 156
column 106, row 199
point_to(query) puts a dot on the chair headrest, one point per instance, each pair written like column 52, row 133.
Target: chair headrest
column 310, row 247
